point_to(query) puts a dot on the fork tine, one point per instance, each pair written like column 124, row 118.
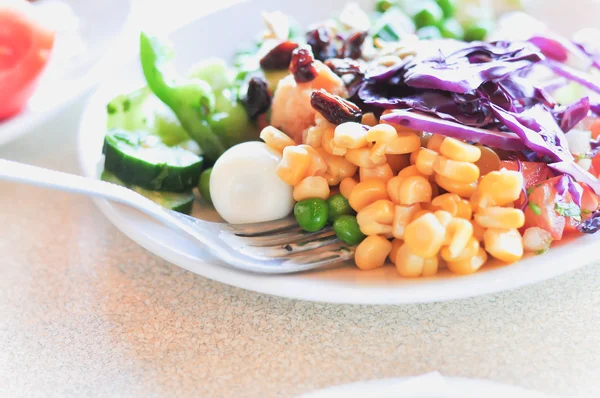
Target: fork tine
column 287, row 250
column 329, row 255
column 284, row 239
column 264, row 228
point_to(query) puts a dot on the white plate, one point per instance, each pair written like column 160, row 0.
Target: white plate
column 344, row 285
column 430, row 386
column 86, row 46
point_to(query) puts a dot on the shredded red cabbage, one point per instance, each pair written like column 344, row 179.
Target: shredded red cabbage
column 468, row 68
column 569, row 116
column 583, row 78
column 567, row 184
column 419, row 121
column 578, row 173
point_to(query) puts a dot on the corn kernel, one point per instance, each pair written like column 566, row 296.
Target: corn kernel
column 458, row 171
column 459, row 151
column 293, row 165
column 414, row 189
column 347, row 185
column 276, row 138
column 369, row 119
column 500, row 188
column 317, row 165
column 398, row 162
column 464, row 210
column 478, row 231
column 448, row 202
column 458, row 233
column 410, row 171
column 462, row 189
column 421, row 212
column 445, row 218
column 311, row 187
column 424, row 161
column 365, row 193
column 468, row 265
column 500, row 217
column 382, row 172
column 403, row 143
column 396, row 243
column 381, row 133
column 362, row 158
column 403, row 215
column 468, row 251
column 314, row 135
column 376, row 218
column 425, row 236
column 338, row 167
column 435, row 142
column 504, row 244
column 372, row 252
column 329, row 145
column 350, row 135
column 411, row 265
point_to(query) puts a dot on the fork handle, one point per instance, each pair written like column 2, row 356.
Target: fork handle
column 39, row 176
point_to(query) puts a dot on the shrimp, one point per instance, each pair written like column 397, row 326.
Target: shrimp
column 291, row 109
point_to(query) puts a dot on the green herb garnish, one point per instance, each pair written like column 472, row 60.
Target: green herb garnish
column 535, row 208
column 568, row 210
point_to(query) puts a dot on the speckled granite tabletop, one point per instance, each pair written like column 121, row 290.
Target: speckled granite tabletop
column 84, row 311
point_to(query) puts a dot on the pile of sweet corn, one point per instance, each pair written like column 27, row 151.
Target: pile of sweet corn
column 392, row 177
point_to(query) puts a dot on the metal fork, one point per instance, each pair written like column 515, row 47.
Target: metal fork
column 276, row 247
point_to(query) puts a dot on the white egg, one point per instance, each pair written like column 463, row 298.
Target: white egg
column 245, row 187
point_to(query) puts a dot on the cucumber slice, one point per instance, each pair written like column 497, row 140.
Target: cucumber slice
column 141, row 159
column 181, row 202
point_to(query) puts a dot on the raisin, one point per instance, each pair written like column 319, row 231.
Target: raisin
column 352, row 47
column 345, row 66
column 334, row 108
column 279, row 57
column 320, row 40
column 258, row 98
column 303, row 65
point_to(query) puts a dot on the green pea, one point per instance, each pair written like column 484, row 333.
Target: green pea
column 478, row 30
column 452, row 29
column 204, row 185
column 311, row 214
column 347, row 230
column 383, row 5
column 448, row 7
column 429, row 33
column 427, row 13
column 338, row 206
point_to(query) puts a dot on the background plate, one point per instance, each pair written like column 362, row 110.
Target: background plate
column 202, row 39
column 104, row 30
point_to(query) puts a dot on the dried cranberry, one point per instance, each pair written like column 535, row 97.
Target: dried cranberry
column 334, row 108
column 352, row 47
column 258, row 98
column 303, row 65
column 280, row 56
column 320, row 40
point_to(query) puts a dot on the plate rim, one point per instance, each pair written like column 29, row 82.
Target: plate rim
column 320, row 290
column 125, row 39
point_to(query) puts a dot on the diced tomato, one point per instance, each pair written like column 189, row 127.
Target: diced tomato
column 595, row 129
column 596, row 165
column 541, row 212
column 589, row 199
column 533, row 172
column 25, row 47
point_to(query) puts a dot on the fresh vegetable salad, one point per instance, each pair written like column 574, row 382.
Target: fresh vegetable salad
column 405, row 131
